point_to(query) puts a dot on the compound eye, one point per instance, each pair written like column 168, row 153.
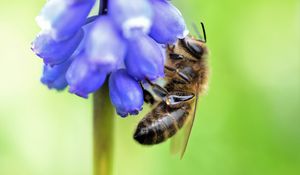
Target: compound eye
column 195, row 49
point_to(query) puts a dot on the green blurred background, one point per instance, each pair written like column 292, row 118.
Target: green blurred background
column 248, row 123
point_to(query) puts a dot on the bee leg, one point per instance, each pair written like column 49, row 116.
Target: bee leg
column 176, row 57
column 171, row 47
column 175, row 99
column 182, row 75
column 158, row 90
column 148, row 97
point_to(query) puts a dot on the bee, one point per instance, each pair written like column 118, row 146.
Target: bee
column 186, row 76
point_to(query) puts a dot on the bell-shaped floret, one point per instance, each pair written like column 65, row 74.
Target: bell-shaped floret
column 144, row 58
column 168, row 24
column 125, row 93
column 63, row 19
column 131, row 15
column 55, row 76
column 105, row 46
column 55, row 52
column 84, row 78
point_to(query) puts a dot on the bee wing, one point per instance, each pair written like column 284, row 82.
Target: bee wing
column 179, row 142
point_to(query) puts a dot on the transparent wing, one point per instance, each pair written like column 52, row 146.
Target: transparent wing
column 180, row 140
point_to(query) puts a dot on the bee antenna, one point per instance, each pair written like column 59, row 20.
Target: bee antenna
column 204, row 33
column 198, row 32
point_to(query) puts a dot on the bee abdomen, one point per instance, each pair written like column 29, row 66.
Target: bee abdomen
column 158, row 127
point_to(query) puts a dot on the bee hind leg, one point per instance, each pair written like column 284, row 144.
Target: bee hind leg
column 175, row 99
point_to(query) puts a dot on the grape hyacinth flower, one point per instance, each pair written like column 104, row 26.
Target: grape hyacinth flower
column 124, row 45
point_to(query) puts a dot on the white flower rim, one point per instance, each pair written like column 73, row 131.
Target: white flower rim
column 141, row 22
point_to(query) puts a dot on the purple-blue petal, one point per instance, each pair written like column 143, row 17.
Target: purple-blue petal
column 54, row 76
column 83, row 78
column 125, row 93
column 105, row 46
column 131, row 15
column 55, row 52
column 63, row 19
column 86, row 30
column 144, row 58
column 168, row 24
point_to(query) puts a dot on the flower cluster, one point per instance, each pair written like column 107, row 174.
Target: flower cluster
column 123, row 44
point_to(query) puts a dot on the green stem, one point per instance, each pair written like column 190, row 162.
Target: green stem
column 103, row 122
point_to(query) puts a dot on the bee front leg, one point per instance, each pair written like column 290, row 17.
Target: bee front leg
column 171, row 48
column 182, row 75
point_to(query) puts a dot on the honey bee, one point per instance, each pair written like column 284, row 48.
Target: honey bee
column 186, row 76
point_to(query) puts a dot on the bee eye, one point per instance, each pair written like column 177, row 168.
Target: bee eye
column 195, row 49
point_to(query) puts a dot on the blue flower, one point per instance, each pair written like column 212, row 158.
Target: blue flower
column 106, row 55
column 125, row 93
column 144, row 58
column 55, row 52
column 63, row 19
column 83, row 78
column 131, row 15
column 54, row 76
column 168, row 24
column 125, row 44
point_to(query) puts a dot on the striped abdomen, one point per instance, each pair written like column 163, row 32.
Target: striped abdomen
column 161, row 123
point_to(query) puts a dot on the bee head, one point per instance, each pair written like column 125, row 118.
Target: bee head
column 195, row 46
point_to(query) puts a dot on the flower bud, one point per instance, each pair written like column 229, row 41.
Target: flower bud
column 125, row 93
column 86, row 30
column 144, row 58
column 168, row 24
column 83, row 78
column 105, row 46
column 55, row 52
column 131, row 15
column 63, row 19
column 54, row 76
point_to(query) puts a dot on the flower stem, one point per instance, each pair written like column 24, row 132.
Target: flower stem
column 103, row 122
